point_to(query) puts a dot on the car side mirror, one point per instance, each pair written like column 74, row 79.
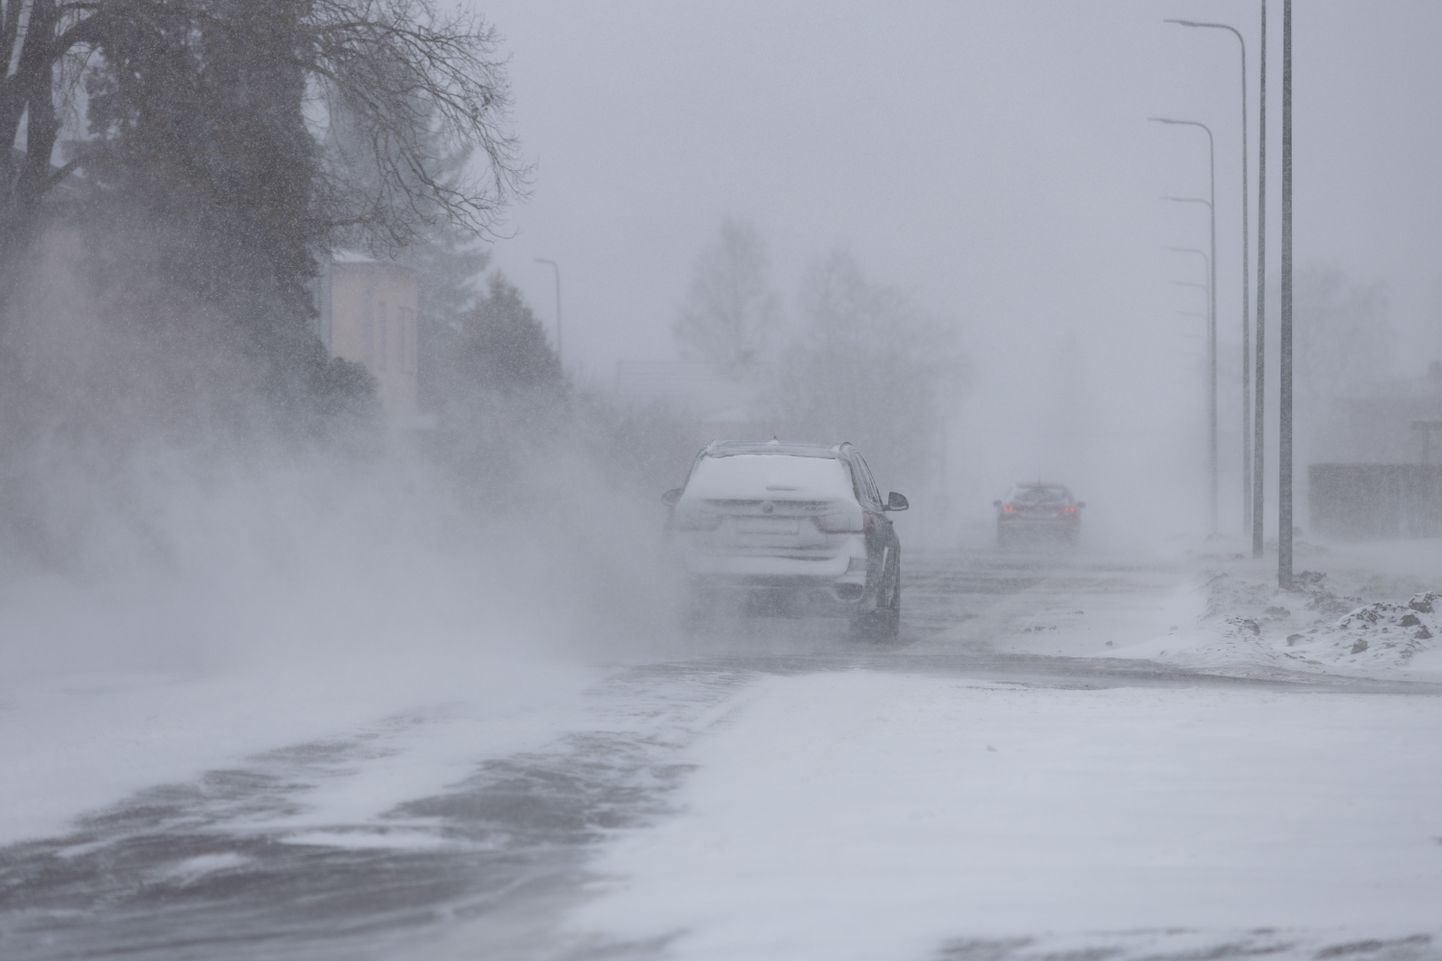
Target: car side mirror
column 996, row 504
column 671, row 497
column 896, row 502
column 1080, row 504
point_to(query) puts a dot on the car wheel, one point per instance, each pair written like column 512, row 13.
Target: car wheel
column 882, row 625
column 893, row 615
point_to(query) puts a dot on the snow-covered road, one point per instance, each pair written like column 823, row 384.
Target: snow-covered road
column 863, row 815
column 1065, row 757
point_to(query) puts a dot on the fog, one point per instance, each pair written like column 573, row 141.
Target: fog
column 995, row 160
column 162, row 517
column 984, row 172
column 945, row 225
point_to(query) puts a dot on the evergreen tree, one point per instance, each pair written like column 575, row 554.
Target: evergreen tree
column 203, row 184
column 500, row 355
column 510, row 346
column 192, row 83
column 499, row 387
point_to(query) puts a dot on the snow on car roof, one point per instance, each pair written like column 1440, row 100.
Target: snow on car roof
column 730, row 448
column 771, row 472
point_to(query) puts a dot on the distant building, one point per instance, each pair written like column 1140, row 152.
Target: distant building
column 366, row 313
column 1380, row 475
column 1386, row 428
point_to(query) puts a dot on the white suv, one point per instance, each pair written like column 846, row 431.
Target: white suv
column 789, row 528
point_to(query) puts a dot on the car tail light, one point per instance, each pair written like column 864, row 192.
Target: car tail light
column 850, row 520
column 1008, row 508
column 1069, row 509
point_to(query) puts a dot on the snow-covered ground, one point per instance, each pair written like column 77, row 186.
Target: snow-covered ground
column 1365, row 610
column 865, row 814
column 74, row 742
column 872, row 815
column 1356, row 610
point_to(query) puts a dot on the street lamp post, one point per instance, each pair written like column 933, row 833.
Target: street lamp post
column 1206, row 292
column 1206, row 261
column 1209, row 316
column 1247, row 487
column 1198, row 314
column 1192, row 283
column 1207, row 272
column 556, row 269
column 1212, row 308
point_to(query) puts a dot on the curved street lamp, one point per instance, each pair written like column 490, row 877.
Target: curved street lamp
column 1212, row 307
column 1206, row 261
column 1247, row 426
column 1200, row 314
column 1207, row 272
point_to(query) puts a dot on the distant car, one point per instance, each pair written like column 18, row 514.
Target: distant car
column 789, row 528
column 1038, row 512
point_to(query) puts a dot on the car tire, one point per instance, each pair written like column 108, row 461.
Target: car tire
column 893, row 614
column 883, row 625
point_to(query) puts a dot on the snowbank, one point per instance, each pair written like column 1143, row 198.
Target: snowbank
column 1361, row 610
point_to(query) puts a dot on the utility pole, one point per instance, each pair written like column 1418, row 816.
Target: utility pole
column 1259, row 485
column 1284, row 438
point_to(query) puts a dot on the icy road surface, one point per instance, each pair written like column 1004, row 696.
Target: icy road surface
column 1005, row 783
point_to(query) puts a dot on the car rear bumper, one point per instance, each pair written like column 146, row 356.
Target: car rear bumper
column 803, row 597
column 1039, row 523
column 829, row 586
column 1030, row 527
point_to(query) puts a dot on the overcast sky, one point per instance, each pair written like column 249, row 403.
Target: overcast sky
column 992, row 157
column 962, row 149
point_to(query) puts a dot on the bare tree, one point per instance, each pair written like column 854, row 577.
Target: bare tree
column 418, row 89
column 867, row 364
column 34, row 36
column 730, row 317
column 423, row 84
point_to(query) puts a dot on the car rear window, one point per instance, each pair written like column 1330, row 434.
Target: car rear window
column 745, row 476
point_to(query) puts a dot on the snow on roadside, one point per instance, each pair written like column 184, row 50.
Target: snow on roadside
column 1357, row 610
